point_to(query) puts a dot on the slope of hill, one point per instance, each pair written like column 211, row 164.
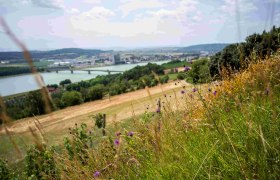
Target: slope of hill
column 204, row 47
column 213, row 48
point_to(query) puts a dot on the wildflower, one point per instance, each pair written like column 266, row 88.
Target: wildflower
column 117, row 142
column 118, row 133
column 209, row 89
column 184, row 87
column 182, row 92
column 187, row 69
column 96, row 174
column 194, row 89
column 165, row 95
column 215, row 93
column 89, row 132
column 130, row 134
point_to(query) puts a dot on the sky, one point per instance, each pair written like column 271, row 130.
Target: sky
column 105, row 24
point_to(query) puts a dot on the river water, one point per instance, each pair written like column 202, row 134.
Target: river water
column 23, row 83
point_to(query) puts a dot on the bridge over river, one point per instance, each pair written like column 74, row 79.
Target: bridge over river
column 67, row 68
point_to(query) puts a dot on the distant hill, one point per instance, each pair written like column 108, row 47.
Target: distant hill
column 213, row 48
column 67, row 53
column 216, row 47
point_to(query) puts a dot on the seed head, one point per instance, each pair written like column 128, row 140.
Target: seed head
column 118, row 133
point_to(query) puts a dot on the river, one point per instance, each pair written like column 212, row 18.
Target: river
column 24, row 83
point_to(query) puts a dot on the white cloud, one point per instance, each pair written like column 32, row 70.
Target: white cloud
column 186, row 12
column 73, row 11
column 244, row 7
column 96, row 13
column 53, row 4
column 132, row 5
column 92, row 1
column 163, row 26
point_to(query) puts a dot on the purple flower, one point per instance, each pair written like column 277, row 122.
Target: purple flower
column 187, row 69
column 182, row 92
column 117, row 142
column 215, row 93
column 130, row 134
column 96, row 174
column 118, row 133
column 194, row 89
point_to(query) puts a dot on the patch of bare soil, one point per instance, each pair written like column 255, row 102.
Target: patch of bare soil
column 63, row 119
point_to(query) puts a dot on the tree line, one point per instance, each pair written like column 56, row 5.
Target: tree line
column 8, row 71
column 236, row 57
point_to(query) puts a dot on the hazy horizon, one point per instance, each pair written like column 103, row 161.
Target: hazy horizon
column 133, row 24
column 112, row 48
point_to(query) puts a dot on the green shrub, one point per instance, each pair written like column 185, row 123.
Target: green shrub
column 200, row 71
column 40, row 164
column 71, row 98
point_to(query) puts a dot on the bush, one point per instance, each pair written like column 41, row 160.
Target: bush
column 181, row 76
column 40, row 163
column 200, row 71
column 71, row 98
column 66, row 81
column 5, row 172
column 164, row 79
column 96, row 92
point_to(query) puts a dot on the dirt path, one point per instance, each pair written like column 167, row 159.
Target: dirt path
column 118, row 107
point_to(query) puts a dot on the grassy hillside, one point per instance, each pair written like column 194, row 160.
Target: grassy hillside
column 230, row 131
column 227, row 130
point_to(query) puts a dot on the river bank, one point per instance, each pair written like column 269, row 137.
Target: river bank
column 24, row 83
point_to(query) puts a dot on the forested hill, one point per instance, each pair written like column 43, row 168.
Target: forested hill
column 204, row 47
column 67, row 53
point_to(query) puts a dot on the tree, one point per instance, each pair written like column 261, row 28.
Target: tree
column 200, row 71
column 164, row 79
column 96, row 92
column 66, row 81
column 35, row 103
column 70, row 98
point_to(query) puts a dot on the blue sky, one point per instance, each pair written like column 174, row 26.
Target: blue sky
column 52, row 24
